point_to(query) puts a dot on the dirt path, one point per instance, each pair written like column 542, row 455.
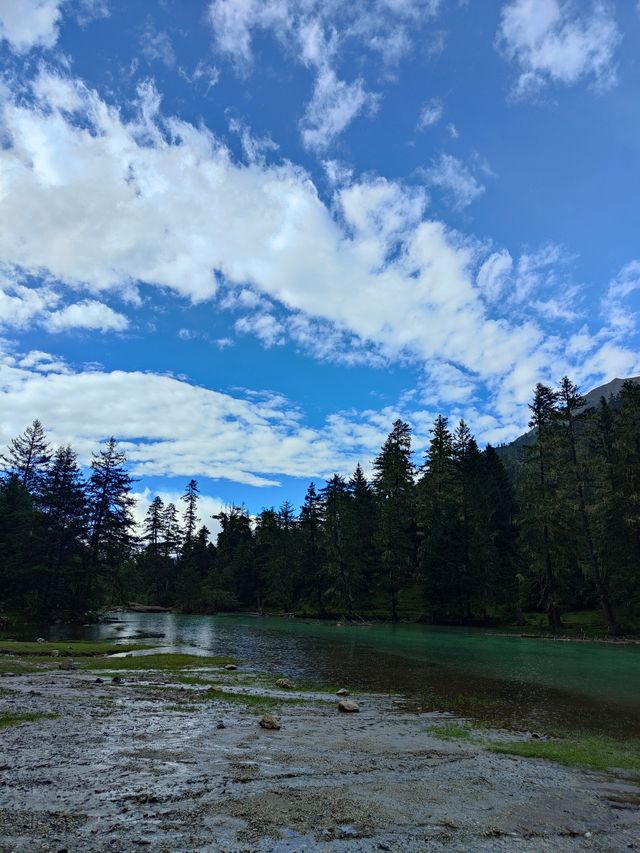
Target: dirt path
column 123, row 768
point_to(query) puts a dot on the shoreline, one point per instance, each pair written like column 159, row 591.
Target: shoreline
column 142, row 761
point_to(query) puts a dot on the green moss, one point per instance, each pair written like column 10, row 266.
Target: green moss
column 79, row 648
column 11, row 665
column 12, row 719
column 596, row 752
column 451, row 731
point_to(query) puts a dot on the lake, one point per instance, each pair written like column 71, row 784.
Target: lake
column 523, row 683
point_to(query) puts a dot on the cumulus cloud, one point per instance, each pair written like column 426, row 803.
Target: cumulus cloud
column 89, row 314
column 265, row 327
column 30, row 23
column 105, row 203
column 559, row 42
column 456, row 181
column 169, row 427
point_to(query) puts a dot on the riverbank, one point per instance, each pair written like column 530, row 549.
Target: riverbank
column 170, row 756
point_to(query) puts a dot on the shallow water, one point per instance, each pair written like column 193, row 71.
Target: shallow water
column 524, row 683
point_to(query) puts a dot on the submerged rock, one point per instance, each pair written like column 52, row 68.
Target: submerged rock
column 269, row 722
column 347, row 706
column 284, row 682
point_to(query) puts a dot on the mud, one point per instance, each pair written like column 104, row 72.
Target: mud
column 138, row 764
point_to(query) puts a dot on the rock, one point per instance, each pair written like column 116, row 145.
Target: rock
column 41, row 640
column 269, row 722
column 116, row 680
column 221, row 725
column 230, row 667
column 347, row 706
column 55, row 653
column 66, row 664
column 342, row 692
column 99, row 681
column 284, row 682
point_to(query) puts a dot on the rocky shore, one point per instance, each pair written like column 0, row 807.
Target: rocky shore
column 165, row 761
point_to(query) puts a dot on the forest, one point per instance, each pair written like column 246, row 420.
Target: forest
column 464, row 536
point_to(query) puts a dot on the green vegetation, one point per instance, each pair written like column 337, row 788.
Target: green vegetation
column 455, row 537
column 9, row 719
column 595, row 752
column 76, row 648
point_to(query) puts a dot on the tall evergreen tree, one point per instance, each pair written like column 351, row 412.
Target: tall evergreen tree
column 544, row 411
column 394, row 489
column 312, row 563
column 110, row 506
column 28, row 456
column 191, row 519
column 572, row 402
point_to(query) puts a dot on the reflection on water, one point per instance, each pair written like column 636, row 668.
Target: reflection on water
column 522, row 682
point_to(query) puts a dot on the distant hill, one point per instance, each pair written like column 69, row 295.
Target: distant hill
column 511, row 454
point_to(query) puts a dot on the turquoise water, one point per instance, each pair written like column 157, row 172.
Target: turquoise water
column 521, row 682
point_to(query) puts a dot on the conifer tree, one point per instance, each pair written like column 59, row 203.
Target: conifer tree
column 572, row 402
column 28, row 456
column 312, row 561
column 544, row 420
column 394, row 489
column 191, row 519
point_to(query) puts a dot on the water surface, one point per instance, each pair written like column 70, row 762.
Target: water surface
column 520, row 682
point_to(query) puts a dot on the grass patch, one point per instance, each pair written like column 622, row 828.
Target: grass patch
column 252, row 700
column 593, row 751
column 451, row 731
column 12, row 719
column 11, row 665
column 75, row 648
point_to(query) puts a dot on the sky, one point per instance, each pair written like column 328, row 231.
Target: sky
column 244, row 236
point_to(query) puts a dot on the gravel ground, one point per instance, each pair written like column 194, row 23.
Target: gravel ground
column 123, row 768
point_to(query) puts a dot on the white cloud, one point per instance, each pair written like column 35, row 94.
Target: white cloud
column 315, row 33
column 559, row 42
column 104, row 203
column 430, row 114
column 26, row 24
column 334, row 105
column 90, row 314
column 171, row 428
column 156, row 46
column 615, row 306
column 208, row 506
column 493, row 274
column 265, row 327
column 455, row 180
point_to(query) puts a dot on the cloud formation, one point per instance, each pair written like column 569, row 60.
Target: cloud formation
column 559, row 42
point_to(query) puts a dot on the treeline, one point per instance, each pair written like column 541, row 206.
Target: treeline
column 455, row 539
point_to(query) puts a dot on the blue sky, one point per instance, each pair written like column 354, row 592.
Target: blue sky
column 244, row 236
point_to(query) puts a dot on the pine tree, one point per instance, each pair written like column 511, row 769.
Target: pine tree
column 191, row 519
column 110, row 521
column 171, row 543
column 394, row 489
column 339, row 570
column 63, row 502
column 544, row 420
column 312, row 546
column 28, row 456
column 363, row 526
column 572, row 402
column 154, row 522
